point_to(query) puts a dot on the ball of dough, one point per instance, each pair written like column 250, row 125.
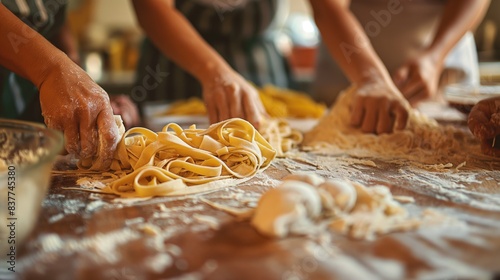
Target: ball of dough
column 309, row 178
column 338, row 195
column 288, row 207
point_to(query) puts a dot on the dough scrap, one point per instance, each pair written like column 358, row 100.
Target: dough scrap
column 349, row 208
column 290, row 207
column 337, row 195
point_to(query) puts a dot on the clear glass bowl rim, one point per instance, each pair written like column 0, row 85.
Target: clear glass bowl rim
column 55, row 136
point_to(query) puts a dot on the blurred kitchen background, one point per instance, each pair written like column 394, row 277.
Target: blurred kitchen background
column 109, row 40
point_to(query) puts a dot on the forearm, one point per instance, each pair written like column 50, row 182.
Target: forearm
column 177, row 39
column 459, row 17
column 347, row 41
column 24, row 51
column 66, row 42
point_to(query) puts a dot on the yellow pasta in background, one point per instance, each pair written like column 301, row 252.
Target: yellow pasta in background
column 191, row 106
column 298, row 104
column 278, row 102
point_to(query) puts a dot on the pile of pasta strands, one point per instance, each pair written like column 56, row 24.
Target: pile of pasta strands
column 174, row 160
column 280, row 135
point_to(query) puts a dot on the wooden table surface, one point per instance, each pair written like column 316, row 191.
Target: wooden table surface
column 80, row 235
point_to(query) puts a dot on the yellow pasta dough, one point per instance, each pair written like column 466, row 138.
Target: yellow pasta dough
column 171, row 161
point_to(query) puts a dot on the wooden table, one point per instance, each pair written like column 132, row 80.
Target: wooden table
column 81, row 235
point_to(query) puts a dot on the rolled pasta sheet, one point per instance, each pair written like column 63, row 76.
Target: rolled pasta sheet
column 168, row 162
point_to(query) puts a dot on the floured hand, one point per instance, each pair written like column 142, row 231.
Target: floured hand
column 230, row 96
column 76, row 105
column 379, row 108
column 122, row 105
column 484, row 123
column 418, row 78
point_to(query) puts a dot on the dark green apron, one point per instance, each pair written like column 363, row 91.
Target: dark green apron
column 18, row 96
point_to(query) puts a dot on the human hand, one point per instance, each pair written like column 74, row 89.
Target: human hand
column 230, row 96
column 73, row 103
column 418, row 78
column 379, row 108
column 122, row 105
column 484, row 123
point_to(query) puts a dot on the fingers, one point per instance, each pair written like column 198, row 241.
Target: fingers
column 401, row 115
column 415, row 90
column 401, row 76
column 357, row 111
column 364, row 114
column 412, row 88
column 71, row 138
column 416, row 81
column 235, row 99
column 210, row 103
column 370, row 120
column 378, row 115
column 88, row 136
column 253, row 109
column 385, row 119
column 108, row 139
column 233, row 93
column 123, row 106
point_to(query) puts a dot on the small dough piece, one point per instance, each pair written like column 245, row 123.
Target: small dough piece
column 309, row 178
column 338, row 195
column 287, row 208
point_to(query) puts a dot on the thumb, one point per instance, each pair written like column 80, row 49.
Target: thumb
column 400, row 76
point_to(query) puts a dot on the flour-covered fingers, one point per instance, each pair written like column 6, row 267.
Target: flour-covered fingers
column 72, row 138
column 370, row 119
column 386, row 118
column 108, row 138
column 88, row 135
column 234, row 99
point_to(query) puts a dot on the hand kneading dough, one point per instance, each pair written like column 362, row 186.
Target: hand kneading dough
column 418, row 142
column 286, row 208
column 337, row 195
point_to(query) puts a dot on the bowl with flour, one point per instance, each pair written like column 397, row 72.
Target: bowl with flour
column 27, row 153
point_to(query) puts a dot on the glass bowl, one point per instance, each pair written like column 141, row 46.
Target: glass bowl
column 27, row 153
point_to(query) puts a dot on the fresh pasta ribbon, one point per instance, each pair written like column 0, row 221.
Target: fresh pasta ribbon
column 168, row 162
column 280, row 135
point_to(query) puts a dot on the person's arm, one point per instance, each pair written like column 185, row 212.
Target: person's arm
column 418, row 78
column 225, row 92
column 70, row 100
column 484, row 123
column 378, row 105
